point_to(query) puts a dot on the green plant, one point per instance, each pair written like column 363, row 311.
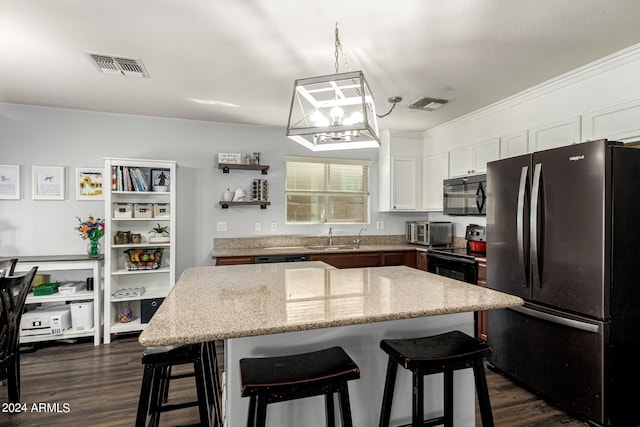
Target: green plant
column 160, row 229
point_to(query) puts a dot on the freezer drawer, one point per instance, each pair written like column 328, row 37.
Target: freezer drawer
column 560, row 361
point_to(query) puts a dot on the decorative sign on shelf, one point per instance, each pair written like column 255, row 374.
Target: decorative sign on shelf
column 233, row 158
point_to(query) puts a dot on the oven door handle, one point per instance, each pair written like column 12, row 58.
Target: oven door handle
column 450, row 258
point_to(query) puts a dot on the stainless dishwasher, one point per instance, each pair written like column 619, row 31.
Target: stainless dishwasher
column 266, row 259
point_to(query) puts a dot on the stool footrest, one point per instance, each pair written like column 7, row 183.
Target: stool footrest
column 438, row 421
column 175, row 406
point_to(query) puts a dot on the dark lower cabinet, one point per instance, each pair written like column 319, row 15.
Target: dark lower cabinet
column 352, row 260
column 421, row 261
column 234, row 260
column 344, row 259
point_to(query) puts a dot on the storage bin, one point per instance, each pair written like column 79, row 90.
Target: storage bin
column 46, row 289
column 81, row 315
column 161, row 210
column 143, row 210
column 123, row 210
column 148, row 308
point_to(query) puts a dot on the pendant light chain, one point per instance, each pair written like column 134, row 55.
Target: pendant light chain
column 339, row 48
column 393, row 100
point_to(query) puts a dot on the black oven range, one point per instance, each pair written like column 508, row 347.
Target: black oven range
column 459, row 263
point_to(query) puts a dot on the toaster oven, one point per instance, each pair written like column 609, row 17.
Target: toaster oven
column 429, row 233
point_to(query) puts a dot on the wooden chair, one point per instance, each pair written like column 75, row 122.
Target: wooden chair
column 13, row 295
column 7, row 266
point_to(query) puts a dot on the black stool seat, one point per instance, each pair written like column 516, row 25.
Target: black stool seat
column 157, row 375
column 277, row 379
column 446, row 353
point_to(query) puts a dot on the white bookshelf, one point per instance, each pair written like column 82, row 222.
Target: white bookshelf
column 157, row 282
column 58, row 265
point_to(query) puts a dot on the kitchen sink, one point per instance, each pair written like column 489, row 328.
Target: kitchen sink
column 286, row 248
column 331, row 248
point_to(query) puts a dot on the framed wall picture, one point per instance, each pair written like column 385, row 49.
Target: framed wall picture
column 160, row 179
column 89, row 184
column 48, row 182
column 10, row 182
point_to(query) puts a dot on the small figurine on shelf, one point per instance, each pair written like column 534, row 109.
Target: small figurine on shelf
column 227, row 196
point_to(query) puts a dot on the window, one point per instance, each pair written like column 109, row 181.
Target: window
column 321, row 190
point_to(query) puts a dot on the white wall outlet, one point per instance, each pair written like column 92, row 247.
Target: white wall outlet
column 380, row 225
column 274, row 226
column 221, row 226
column 257, row 226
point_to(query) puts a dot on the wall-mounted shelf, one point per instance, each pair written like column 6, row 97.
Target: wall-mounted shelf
column 227, row 166
column 263, row 204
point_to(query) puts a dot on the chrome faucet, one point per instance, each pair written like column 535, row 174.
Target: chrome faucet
column 330, row 237
column 357, row 240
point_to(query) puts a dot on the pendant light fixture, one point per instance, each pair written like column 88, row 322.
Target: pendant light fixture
column 333, row 112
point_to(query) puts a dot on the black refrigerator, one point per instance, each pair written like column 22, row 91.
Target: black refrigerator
column 563, row 232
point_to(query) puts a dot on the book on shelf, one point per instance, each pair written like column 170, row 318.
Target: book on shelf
column 125, row 178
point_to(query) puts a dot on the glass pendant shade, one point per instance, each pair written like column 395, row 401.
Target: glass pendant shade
column 333, row 112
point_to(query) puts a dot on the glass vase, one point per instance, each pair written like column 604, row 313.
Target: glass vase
column 125, row 314
column 94, row 248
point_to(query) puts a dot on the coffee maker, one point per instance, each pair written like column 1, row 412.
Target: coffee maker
column 476, row 238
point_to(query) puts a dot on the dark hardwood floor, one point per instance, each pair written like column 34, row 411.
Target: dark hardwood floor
column 80, row 385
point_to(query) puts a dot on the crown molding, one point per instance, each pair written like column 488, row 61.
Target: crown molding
column 602, row 65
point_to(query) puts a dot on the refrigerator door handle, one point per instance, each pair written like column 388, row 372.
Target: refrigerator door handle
column 533, row 226
column 576, row 324
column 522, row 191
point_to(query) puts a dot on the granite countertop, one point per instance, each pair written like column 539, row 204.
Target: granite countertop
column 214, row 303
column 295, row 250
column 298, row 245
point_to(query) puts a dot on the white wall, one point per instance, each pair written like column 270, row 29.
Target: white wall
column 607, row 82
column 72, row 138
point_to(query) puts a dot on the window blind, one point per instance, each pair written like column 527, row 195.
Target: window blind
column 322, row 190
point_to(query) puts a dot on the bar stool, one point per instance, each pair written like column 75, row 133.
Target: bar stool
column 445, row 353
column 158, row 362
column 277, row 379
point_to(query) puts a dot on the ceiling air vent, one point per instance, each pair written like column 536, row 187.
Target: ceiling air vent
column 427, row 104
column 118, row 65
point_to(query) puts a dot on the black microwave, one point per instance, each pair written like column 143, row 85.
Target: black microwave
column 465, row 195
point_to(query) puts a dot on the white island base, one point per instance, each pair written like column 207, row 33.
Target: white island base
column 362, row 343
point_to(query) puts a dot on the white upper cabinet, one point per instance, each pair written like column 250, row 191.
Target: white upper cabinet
column 473, row 159
column 404, row 183
column 620, row 122
column 461, row 161
column 435, row 170
column 514, row 144
column 556, row 134
column 400, row 171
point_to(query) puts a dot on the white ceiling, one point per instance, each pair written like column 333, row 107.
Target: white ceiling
column 248, row 53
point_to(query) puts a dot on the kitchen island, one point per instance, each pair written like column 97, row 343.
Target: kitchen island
column 277, row 309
